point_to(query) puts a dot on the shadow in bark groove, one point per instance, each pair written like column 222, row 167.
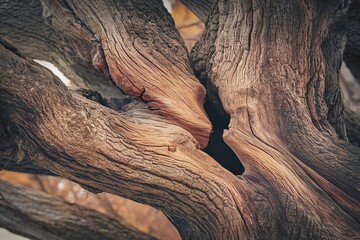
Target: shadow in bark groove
column 216, row 147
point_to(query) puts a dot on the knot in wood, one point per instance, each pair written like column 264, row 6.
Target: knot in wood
column 172, row 148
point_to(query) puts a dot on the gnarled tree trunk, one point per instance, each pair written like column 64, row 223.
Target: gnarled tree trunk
column 271, row 67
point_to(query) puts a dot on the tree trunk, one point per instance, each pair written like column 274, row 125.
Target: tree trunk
column 271, row 67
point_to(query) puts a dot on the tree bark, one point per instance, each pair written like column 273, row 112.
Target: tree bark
column 278, row 84
column 21, row 22
column 14, row 159
column 287, row 112
column 144, row 56
column 37, row 215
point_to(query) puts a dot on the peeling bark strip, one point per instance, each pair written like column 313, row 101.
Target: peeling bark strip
column 37, row 215
column 143, row 51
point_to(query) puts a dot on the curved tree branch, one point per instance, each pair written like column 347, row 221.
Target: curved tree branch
column 14, row 159
column 145, row 56
column 32, row 213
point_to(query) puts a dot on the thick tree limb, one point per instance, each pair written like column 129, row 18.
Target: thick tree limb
column 286, row 192
column 285, row 110
column 145, row 56
column 14, row 159
column 21, row 22
column 37, row 215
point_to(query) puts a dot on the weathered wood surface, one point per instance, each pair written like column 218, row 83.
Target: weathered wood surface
column 286, row 110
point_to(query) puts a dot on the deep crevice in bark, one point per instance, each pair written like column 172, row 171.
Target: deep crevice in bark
column 117, row 104
column 217, row 148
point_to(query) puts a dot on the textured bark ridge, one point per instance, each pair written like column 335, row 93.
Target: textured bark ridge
column 21, row 23
column 32, row 214
column 14, row 159
column 145, row 56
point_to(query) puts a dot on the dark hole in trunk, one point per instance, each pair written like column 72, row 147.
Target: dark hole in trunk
column 217, row 148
